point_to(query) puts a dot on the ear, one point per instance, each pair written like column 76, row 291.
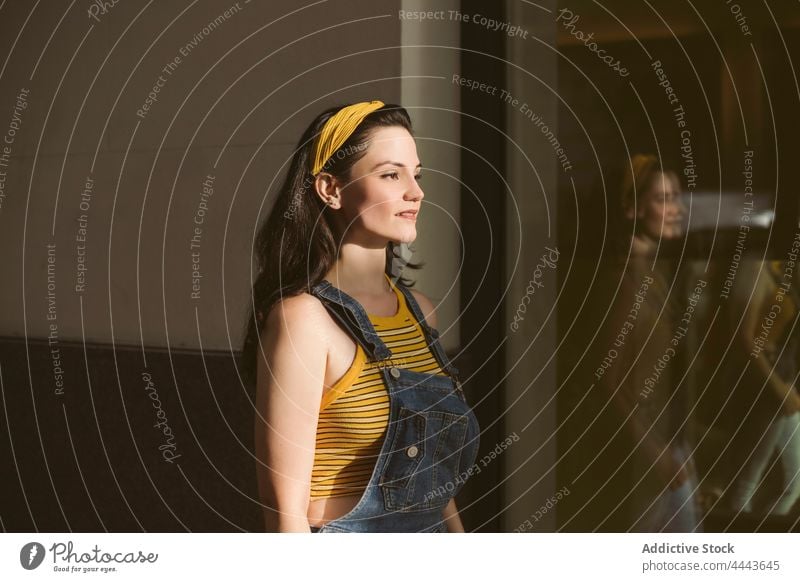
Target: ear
column 328, row 189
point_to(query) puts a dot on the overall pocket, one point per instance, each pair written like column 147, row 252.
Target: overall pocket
column 424, row 467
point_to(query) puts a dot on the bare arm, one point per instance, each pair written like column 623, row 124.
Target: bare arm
column 452, row 519
column 290, row 380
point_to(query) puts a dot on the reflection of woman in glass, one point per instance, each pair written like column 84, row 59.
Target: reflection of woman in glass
column 361, row 422
column 770, row 339
column 642, row 376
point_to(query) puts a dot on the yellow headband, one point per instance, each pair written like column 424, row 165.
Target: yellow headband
column 338, row 128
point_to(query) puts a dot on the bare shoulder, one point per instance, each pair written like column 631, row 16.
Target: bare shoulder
column 296, row 305
column 301, row 315
column 426, row 305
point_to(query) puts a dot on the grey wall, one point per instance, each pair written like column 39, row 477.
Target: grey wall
column 430, row 58
column 232, row 108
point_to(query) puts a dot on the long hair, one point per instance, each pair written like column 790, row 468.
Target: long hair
column 296, row 246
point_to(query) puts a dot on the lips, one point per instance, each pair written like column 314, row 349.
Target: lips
column 408, row 214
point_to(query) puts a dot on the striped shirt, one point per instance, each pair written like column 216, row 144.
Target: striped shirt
column 354, row 413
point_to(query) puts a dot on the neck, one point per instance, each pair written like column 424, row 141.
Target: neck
column 359, row 270
column 642, row 246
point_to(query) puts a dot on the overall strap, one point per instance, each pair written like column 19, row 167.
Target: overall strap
column 350, row 314
column 431, row 333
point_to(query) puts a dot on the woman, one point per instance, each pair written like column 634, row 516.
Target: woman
column 642, row 376
column 361, row 422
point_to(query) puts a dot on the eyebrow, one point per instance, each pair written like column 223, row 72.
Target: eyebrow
column 398, row 164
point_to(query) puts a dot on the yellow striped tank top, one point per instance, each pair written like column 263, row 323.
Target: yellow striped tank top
column 354, row 413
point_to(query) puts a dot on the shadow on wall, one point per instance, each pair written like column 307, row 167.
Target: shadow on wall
column 124, row 448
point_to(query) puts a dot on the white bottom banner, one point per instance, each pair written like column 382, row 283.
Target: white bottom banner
column 401, row 557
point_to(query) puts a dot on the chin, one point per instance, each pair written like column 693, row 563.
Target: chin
column 406, row 235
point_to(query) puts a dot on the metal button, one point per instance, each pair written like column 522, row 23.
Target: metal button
column 395, row 372
column 412, row 451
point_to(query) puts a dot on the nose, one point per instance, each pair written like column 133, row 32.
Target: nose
column 415, row 193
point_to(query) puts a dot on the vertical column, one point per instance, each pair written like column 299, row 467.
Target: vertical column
column 429, row 58
column 531, row 260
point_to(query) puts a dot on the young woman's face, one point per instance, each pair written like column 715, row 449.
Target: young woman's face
column 382, row 200
column 660, row 211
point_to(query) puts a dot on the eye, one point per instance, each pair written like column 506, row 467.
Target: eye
column 418, row 177
column 392, row 175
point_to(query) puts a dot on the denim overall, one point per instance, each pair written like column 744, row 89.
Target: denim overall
column 431, row 440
